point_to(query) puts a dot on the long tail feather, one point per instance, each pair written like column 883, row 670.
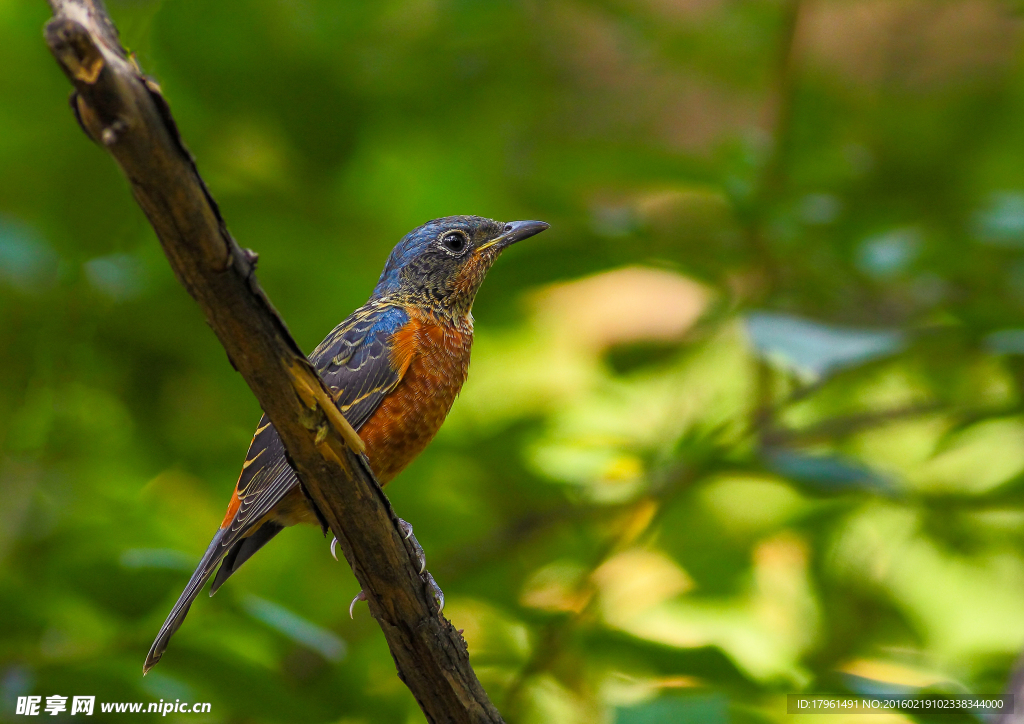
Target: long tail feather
column 207, row 564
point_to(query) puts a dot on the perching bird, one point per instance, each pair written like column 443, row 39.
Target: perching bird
column 395, row 367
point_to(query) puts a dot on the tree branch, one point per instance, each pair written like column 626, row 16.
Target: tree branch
column 125, row 113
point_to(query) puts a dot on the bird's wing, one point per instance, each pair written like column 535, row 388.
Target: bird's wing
column 360, row 364
column 357, row 363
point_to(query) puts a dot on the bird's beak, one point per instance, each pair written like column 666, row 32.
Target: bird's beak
column 516, row 231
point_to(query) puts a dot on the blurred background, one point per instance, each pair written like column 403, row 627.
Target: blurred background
column 746, row 421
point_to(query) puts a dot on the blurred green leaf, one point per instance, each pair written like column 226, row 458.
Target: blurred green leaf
column 692, row 709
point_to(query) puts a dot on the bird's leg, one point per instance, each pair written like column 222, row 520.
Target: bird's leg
column 421, row 559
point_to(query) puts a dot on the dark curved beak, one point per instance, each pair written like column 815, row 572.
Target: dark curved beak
column 516, row 231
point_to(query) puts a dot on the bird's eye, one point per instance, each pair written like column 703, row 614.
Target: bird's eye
column 454, row 242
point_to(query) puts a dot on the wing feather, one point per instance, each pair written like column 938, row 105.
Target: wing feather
column 355, row 363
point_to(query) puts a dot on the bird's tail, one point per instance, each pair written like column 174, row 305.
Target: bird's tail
column 207, row 564
column 242, row 551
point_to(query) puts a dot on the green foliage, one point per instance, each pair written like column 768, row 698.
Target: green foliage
column 746, row 421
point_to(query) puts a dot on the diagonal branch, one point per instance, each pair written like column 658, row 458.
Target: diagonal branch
column 125, row 113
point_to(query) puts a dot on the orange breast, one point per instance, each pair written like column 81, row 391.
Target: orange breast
column 435, row 356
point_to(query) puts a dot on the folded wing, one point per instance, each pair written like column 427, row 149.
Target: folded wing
column 357, row 364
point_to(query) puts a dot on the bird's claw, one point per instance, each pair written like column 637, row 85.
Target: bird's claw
column 334, row 545
column 435, row 590
column 417, row 549
column 419, row 555
column 361, row 596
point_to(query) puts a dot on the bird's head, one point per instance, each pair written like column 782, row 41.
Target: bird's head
column 442, row 263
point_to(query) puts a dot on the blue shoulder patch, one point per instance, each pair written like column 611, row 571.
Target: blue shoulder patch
column 369, row 341
column 387, row 323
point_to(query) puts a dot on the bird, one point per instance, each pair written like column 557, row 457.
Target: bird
column 394, row 368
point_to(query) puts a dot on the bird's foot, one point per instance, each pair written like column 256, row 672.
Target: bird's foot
column 421, row 560
column 435, row 590
column 406, row 528
column 417, row 549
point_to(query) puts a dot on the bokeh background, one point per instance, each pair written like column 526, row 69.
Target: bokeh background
column 746, row 421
